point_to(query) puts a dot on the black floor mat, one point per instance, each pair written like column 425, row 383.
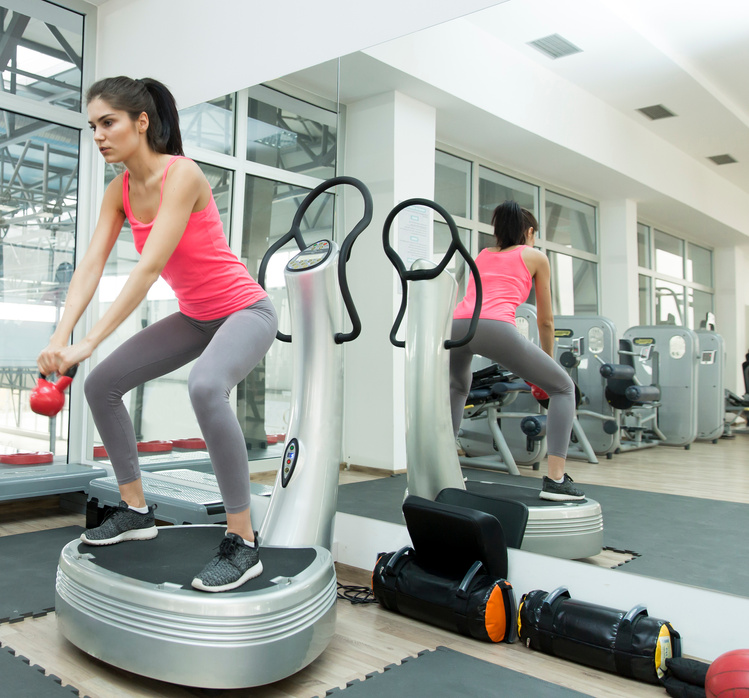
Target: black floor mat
column 445, row 673
column 693, row 541
column 21, row 679
column 28, row 565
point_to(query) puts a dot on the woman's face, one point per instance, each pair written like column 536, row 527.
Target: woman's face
column 116, row 135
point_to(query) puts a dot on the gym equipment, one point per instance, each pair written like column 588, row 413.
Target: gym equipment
column 465, row 591
column 628, row 643
column 676, row 352
column 636, row 403
column 48, row 398
column 728, row 675
column 583, row 344
column 710, row 391
column 128, row 605
column 562, row 529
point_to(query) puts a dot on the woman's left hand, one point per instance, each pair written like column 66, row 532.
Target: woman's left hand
column 72, row 355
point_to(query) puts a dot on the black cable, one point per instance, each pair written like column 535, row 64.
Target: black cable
column 356, row 594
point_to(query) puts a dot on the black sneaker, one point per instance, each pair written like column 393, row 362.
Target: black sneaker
column 560, row 491
column 122, row 524
column 234, row 564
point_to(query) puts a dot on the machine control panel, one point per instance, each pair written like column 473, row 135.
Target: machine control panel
column 290, row 457
column 311, row 256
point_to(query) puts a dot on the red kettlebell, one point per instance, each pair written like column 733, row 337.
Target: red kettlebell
column 48, row 398
column 538, row 393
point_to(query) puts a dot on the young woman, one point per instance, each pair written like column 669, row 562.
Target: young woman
column 507, row 272
column 225, row 320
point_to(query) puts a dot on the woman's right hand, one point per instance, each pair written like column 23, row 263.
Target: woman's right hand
column 49, row 358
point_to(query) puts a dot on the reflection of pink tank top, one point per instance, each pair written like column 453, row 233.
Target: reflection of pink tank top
column 505, row 284
column 205, row 275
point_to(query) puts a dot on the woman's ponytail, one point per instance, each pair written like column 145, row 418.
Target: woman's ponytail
column 509, row 224
column 166, row 136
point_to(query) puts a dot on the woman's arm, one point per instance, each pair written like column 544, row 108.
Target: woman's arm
column 182, row 189
column 87, row 275
column 544, row 313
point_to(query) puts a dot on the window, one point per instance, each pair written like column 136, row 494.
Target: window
column 291, row 135
column 568, row 226
column 574, row 287
column 570, row 223
column 43, row 54
column 643, row 246
column 663, row 259
column 494, row 188
column 669, row 254
column 452, row 184
column 209, row 125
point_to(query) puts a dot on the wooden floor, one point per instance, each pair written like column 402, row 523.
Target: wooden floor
column 369, row 638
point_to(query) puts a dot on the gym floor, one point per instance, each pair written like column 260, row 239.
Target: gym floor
column 369, row 638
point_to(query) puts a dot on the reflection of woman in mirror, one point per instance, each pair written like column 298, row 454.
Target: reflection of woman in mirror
column 507, row 273
column 225, row 319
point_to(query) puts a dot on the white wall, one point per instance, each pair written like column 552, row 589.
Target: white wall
column 204, row 49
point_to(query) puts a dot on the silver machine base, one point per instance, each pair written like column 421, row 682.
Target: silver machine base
column 571, row 530
column 171, row 632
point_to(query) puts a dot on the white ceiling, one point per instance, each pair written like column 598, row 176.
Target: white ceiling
column 692, row 57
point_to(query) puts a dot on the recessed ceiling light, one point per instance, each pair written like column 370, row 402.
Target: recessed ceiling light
column 555, row 46
column 724, row 159
column 657, row 111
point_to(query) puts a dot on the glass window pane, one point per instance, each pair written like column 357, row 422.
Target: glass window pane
column 494, row 188
column 209, row 125
column 699, row 265
column 669, row 303
column 700, row 304
column 457, row 265
column 452, row 184
column 574, row 285
column 669, row 254
column 291, row 135
column 264, row 399
column 160, row 409
column 38, row 207
column 43, row 55
column 645, row 284
column 570, row 222
column 643, row 245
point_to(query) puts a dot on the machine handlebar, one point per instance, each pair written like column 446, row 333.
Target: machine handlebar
column 425, row 274
column 295, row 234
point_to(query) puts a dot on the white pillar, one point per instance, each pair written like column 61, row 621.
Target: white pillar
column 390, row 142
column 619, row 284
column 731, row 284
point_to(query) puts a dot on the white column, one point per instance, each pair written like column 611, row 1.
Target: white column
column 732, row 309
column 618, row 272
column 390, row 141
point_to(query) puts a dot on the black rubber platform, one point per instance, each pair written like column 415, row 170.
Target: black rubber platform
column 28, row 564
column 177, row 554
column 445, row 673
column 21, row 679
column 680, row 539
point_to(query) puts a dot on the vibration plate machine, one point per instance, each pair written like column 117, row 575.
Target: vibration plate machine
column 571, row 530
column 132, row 606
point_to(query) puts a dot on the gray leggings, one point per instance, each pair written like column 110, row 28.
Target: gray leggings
column 501, row 342
column 229, row 348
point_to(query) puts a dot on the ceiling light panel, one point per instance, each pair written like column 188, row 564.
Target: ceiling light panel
column 724, row 159
column 555, row 46
column 656, row 111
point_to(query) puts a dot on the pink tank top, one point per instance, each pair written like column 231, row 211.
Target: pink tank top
column 505, row 284
column 205, row 275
